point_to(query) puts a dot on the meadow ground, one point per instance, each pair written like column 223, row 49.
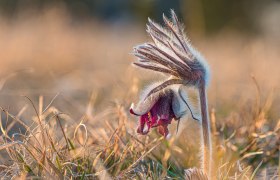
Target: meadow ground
column 66, row 88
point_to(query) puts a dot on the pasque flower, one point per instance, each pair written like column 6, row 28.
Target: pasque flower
column 171, row 53
column 159, row 109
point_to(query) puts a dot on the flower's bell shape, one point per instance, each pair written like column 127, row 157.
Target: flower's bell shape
column 160, row 109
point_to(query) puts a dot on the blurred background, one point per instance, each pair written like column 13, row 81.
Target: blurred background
column 71, row 45
column 81, row 50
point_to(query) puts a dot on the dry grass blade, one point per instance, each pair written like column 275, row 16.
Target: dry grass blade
column 81, row 124
column 39, row 121
column 195, row 174
column 49, row 105
column 8, row 145
column 250, row 154
column 143, row 155
column 255, row 171
column 62, row 130
column 14, row 118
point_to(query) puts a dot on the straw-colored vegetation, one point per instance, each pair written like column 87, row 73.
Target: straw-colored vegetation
column 65, row 106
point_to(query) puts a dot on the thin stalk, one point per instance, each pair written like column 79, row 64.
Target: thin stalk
column 206, row 135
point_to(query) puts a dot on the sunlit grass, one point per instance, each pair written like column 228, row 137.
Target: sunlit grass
column 54, row 145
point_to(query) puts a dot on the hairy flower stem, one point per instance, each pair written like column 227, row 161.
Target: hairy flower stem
column 206, row 145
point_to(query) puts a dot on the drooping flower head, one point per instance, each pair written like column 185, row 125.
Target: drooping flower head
column 159, row 109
